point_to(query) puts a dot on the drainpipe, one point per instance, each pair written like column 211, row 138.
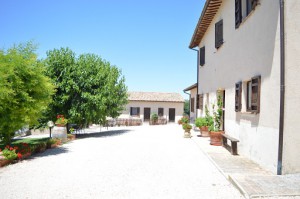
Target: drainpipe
column 282, row 89
column 198, row 61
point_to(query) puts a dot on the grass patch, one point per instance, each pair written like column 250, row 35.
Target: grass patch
column 30, row 141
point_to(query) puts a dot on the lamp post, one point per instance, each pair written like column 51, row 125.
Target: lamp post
column 50, row 124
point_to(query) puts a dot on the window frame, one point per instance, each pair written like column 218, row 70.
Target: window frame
column 243, row 9
column 159, row 112
column 137, row 110
column 253, row 95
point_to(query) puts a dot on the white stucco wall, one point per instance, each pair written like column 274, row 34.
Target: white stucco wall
column 291, row 139
column 154, row 108
column 252, row 49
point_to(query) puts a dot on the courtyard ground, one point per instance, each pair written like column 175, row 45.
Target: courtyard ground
column 123, row 162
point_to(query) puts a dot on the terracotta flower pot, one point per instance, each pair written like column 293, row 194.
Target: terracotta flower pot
column 204, row 131
column 60, row 125
column 216, row 138
column 4, row 162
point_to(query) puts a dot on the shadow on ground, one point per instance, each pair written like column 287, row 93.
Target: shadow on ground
column 50, row 152
column 102, row 134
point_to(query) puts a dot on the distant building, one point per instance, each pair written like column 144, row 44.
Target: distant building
column 194, row 101
column 143, row 104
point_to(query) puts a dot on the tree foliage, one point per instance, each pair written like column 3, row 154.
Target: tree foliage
column 89, row 89
column 187, row 107
column 25, row 91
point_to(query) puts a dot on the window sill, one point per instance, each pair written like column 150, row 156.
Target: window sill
column 248, row 113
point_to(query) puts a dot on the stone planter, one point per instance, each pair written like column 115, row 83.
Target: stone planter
column 60, row 132
column 187, row 134
column 4, row 162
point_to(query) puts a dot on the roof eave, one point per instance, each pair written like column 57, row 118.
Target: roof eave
column 191, row 87
column 211, row 7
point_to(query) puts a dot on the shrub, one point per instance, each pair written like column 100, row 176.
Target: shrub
column 154, row 117
column 200, row 122
column 184, row 120
column 10, row 153
column 23, row 148
column 186, row 126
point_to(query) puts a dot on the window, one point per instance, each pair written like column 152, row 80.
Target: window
column 238, row 97
column 243, row 9
column 202, row 56
column 253, row 95
column 160, row 112
column 219, row 34
column 251, row 5
column 200, row 101
column 192, row 105
column 134, row 111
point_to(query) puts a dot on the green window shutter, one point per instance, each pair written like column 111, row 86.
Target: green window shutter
column 219, row 33
column 202, row 56
column 238, row 13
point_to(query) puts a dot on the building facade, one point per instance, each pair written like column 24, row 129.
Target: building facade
column 196, row 100
column 143, row 104
column 249, row 55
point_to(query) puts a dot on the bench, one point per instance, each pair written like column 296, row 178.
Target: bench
column 233, row 147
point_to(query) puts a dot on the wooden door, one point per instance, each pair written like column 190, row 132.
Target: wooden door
column 147, row 112
column 171, row 114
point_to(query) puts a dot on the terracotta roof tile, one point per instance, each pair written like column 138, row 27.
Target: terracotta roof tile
column 155, row 97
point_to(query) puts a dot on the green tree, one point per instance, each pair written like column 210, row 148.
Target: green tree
column 89, row 89
column 187, row 107
column 25, row 91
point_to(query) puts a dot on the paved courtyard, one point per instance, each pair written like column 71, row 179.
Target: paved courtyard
column 124, row 162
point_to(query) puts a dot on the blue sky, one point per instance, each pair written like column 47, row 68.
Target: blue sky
column 147, row 40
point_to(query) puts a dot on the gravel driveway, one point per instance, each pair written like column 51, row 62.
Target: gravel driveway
column 129, row 162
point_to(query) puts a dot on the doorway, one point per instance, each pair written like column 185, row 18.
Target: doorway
column 171, row 114
column 147, row 112
column 221, row 93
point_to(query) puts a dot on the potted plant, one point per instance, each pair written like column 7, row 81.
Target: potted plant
column 61, row 121
column 201, row 123
column 215, row 127
column 187, row 130
column 204, row 122
column 154, row 119
column 184, row 120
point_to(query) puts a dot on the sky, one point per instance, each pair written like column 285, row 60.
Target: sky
column 147, row 40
